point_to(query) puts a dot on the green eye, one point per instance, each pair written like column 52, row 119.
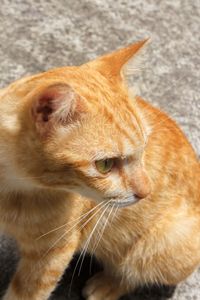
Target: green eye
column 104, row 165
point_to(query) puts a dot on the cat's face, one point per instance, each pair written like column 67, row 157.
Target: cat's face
column 90, row 137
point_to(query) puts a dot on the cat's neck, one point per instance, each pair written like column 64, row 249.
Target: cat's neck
column 16, row 206
column 35, row 197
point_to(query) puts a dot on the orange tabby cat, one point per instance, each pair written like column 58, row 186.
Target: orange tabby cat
column 73, row 134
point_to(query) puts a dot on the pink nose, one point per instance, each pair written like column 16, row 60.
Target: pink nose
column 140, row 183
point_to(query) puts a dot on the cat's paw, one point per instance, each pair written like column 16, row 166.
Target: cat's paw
column 102, row 287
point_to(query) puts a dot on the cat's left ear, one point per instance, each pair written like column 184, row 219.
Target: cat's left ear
column 55, row 105
column 120, row 63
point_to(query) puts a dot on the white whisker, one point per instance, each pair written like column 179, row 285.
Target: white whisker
column 83, row 252
column 88, row 241
column 102, row 231
column 67, row 223
column 66, row 232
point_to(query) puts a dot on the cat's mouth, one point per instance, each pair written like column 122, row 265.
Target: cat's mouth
column 123, row 203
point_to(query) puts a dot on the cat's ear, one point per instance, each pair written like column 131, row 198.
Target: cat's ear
column 120, row 63
column 55, row 105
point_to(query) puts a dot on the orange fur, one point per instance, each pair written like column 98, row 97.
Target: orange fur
column 54, row 126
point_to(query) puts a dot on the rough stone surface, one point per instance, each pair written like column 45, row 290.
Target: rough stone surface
column 37, row 35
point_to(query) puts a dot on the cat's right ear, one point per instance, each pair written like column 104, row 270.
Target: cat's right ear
column 121, row 63
column 53, row 106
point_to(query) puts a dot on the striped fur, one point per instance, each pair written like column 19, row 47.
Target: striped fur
column 54, row 201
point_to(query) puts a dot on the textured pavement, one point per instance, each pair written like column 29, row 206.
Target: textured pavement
column 37, row 35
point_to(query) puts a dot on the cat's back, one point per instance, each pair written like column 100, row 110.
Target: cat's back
column 2, row 91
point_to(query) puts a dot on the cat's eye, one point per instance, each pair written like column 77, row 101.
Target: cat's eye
column 104, row 165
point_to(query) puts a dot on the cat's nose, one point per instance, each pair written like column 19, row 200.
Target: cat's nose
column 140, row 184
column 143, row 193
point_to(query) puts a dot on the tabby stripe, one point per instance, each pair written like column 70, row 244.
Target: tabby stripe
column 138, row 122
column 122, row 130
column 120, row 170
column 18, row 286
column 33, row 255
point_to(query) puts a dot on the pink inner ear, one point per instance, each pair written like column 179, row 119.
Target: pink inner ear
column 45, row 109
column 53, row 106
column 50, row 101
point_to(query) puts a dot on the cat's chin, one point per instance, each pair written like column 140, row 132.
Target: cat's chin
column 124, row 203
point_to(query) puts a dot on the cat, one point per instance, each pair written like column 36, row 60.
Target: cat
column 86, row 165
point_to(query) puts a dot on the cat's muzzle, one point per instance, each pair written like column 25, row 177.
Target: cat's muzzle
column 123, row 203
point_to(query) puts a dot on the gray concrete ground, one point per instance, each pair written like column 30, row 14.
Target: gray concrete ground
column 36, row 35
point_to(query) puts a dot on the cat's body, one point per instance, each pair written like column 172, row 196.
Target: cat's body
column 55, row 129
column 157, row 241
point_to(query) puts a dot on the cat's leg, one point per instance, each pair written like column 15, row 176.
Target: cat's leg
column 104, row 287
column 39, row 272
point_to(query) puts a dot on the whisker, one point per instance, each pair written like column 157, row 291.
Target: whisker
column 86, row 245
column 93, row 250
column 66, row 232
column 90, row 239
column 102, row 231
column 114, row 215
column 67, row 223
column 40, row 262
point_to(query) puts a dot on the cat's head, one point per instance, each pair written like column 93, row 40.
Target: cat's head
column 83, row 133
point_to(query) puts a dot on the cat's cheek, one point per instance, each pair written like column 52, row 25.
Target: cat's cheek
column 90, row 193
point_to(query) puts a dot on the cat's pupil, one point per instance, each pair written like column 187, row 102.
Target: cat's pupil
column 105, row 165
